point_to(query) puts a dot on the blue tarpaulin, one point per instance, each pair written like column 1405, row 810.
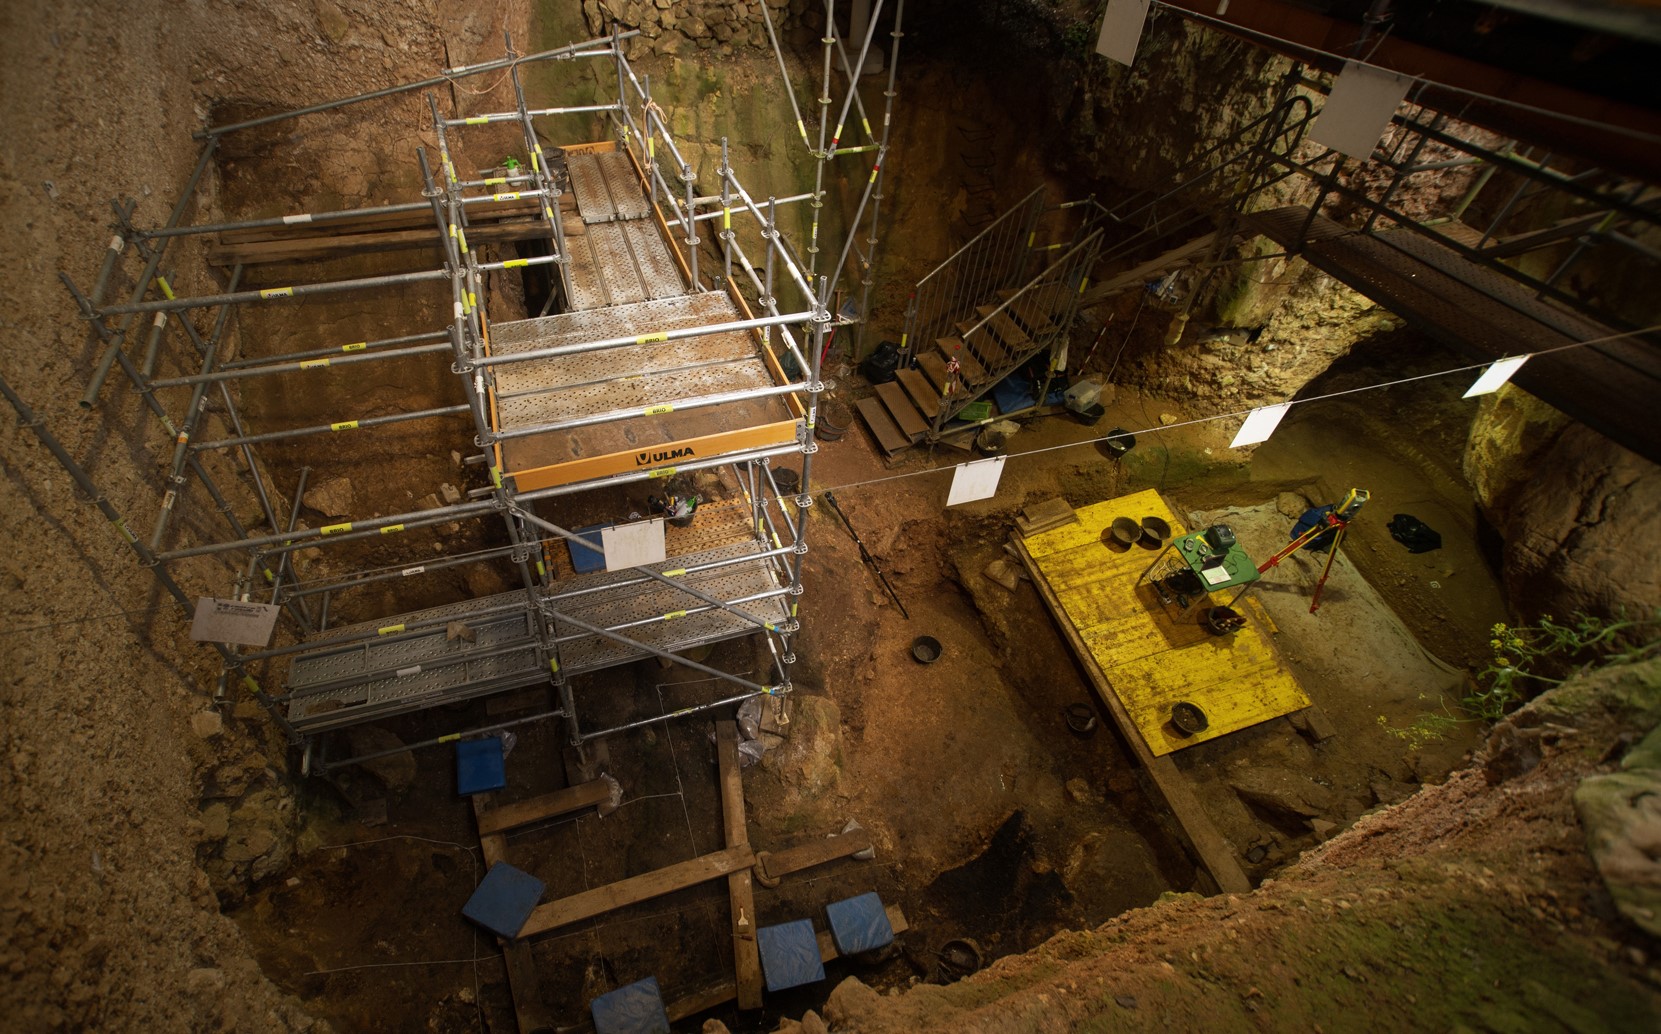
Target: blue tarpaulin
column 479, row 766
column 633, row 1009
column 789, row 955
column 859, row 924
column 504, row 900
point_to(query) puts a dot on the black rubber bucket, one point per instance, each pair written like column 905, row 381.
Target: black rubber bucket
column 1118, row 442
column 926, row 649
column 834, row 421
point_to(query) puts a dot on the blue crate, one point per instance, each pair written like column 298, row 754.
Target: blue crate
column 634, row 1009
column 479, row 766
column 790, row 955
column 504, row 899
column 859, row 924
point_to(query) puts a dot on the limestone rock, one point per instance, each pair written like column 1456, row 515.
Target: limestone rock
column 333, row 498
column 207, row 724
column 484, row 580
column 395, row 772
column 811, row 759
column 850, row 1001
column 216, row 821
column 1291, row 504
column 205, row 981
column 451, row 494
column 1079, row 792
column 1621, row 813
column 1282, row 790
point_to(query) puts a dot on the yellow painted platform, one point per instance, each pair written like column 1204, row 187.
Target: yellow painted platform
column 1150, row 660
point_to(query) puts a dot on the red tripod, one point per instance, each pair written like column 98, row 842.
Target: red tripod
column 1335, row 520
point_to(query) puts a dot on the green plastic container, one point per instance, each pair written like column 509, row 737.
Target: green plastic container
column 975, row 411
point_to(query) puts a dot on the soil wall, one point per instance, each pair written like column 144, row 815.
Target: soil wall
column 112, row 744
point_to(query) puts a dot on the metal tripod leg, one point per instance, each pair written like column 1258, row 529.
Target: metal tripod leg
column 1332, row 555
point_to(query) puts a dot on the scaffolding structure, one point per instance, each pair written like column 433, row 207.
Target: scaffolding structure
column 656, row 369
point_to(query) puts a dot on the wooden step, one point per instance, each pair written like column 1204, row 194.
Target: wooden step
column 971, row 370
column 882, row 426
column 987, row 349
column 904, row 413
column 925, row 396
column 1032, row 316
column 934, row 370
column 1009, row 333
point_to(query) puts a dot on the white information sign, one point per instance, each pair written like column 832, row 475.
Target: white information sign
column 1259, row 425
column 976, row 480
column 633, row 545
column 1122, row 30
column 1355, row 116
column 233, row 621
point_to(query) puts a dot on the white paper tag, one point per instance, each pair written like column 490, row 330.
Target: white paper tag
column 1359, row 109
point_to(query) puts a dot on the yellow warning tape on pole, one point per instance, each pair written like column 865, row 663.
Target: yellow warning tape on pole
column 269, row 576
column 515, row 263
column 726, row 219
column 496, row 476
column 553, row 665
column 461, row 240
column 252, row 684
column 392, row 529
column 651, row 339
column 662, row 472
column 476, row 120
column 673, row 614
column 126, row 532
column 335, row 529
column 449, row 737
column 676, row 573
column 867, row 124
column 356, row 346
column 344, row 425
column 514, row 196
column 492, row 181
column 389, row 629
column 658, row 410
column 277, row 292
column 166, row 288
column 313, row 364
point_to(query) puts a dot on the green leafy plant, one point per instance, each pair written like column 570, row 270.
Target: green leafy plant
column 1530, row 658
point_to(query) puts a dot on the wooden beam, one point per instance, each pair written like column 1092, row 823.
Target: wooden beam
column 1214, row 852
column 529, row 1011
column 746, row 955
column 549, row 805
column 773, row 865
column 635, row 889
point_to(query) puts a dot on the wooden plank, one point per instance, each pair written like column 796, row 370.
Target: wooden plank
column 900, row 408
column 780, row 432
column 775, row 865
column 746, row 955
column 882, row 426
column 529, row 1011
column 925, row 396
column 547, row 806
column 709, row 998
column 636, row 889
column 1213, row 851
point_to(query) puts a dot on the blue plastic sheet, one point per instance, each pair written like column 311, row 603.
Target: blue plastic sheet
column 859, row 924
column 504, row 900
column 479, row 766
column 789, row 955
column 584, row 560
column 636, row 1008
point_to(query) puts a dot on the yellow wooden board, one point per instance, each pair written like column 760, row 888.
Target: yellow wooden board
column 1151, row 657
